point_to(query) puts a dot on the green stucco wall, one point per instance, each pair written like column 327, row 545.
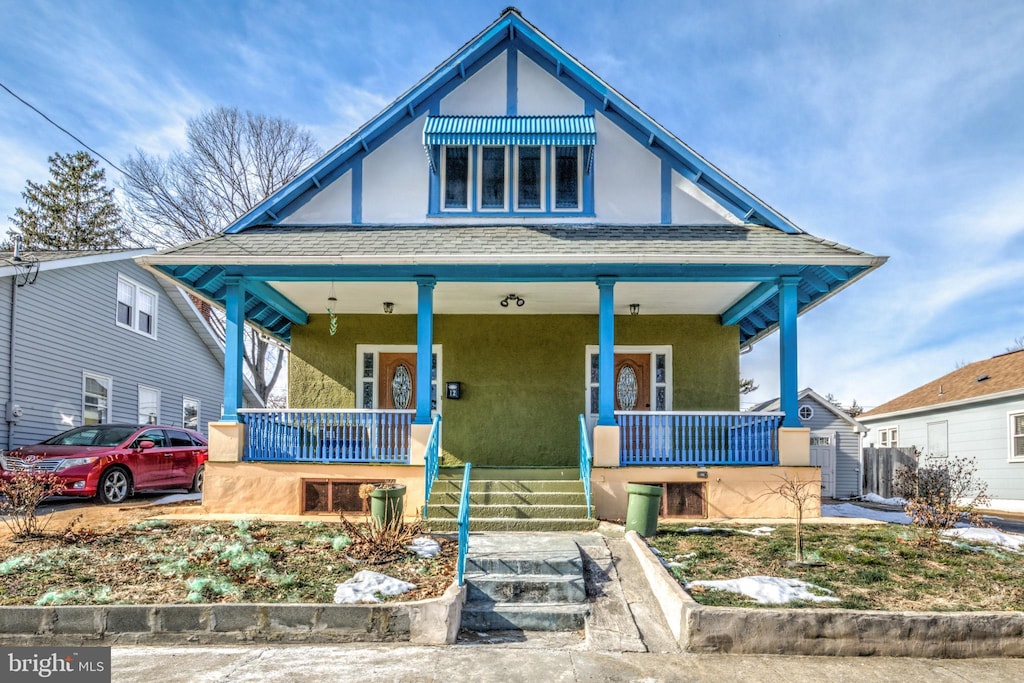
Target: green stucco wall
column 523, row 377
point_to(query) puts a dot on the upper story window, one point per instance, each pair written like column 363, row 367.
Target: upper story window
column 1017, row 436
column 510, row 165
column 136, row 307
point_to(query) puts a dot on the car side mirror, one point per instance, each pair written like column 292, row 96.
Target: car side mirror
column 146, row 444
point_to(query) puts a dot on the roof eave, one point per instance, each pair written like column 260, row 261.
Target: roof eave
column 1010, row 393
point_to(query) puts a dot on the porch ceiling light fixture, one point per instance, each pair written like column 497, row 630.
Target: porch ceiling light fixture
column 389, row 307
column 519, row 301
column 332, row 304
column 634, row 309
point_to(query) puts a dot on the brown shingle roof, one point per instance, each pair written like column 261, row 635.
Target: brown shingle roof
column 996, row 375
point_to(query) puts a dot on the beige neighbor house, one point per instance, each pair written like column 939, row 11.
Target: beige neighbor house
column 514, row 246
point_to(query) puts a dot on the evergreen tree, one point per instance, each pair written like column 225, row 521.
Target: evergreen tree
column 73, row 210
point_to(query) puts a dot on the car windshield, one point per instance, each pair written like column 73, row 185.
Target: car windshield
column 92, row 435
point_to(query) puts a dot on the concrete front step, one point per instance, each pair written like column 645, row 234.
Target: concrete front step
column 453, row 497
column 524, row 617
column 511, row 512
column 525, row 588
column 511, row 473
column 510, row 486
column 501, row 524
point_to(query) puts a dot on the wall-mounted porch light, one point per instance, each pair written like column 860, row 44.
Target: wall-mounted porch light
column 519, row 301
column 389, row 307
column 634, row 309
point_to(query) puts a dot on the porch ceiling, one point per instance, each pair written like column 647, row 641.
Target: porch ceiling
column 542, row 298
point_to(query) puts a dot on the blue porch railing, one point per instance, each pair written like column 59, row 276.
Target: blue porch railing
column 586, row 460
column 463, row 524
column 334, row 436
column 431, row 461
column 692, row 438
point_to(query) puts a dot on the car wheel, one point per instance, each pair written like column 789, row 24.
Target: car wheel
column 114, row 486
column 197, row 481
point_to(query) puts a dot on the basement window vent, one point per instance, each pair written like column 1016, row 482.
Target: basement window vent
column 332, row 495
column 685, row 499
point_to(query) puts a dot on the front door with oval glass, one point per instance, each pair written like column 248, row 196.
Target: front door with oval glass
column 396, row 389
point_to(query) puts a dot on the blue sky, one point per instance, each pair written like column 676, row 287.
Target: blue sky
column 894, row 127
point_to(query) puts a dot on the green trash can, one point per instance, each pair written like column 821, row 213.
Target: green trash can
column 386, row 505
column 642, row 508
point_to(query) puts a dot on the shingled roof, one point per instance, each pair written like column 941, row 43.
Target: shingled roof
column 999, row 375
column 522, row 243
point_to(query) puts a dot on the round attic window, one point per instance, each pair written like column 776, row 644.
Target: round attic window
column 805, row 412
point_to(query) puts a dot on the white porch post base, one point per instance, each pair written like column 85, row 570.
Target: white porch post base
column 606, row 446
column 227, row 441
column 794, row 446
column 418, row 444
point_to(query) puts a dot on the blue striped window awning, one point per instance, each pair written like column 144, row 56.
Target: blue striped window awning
column 508, row 130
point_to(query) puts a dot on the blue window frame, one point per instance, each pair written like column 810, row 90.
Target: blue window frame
column 456, row 177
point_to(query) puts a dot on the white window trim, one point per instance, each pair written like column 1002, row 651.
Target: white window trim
column 108, row 382
column 136, row 288
column 654, row 351
column 553, row 180
column 515, row 181
column 199, row 405
column 888, row 430
column 1009, row 435
column 469, row 180
column 376, row 350
column 810, row 414
column 480, row 179
column 138, row 412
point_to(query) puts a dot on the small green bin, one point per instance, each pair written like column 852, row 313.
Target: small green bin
column 387, row 504
column 642, row 509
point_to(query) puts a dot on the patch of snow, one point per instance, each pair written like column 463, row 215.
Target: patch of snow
column 425, row 546
column 858, row 512
column 759, row 531
column 700, row 530
column 365, row 585
column 993, row 536
column 769, row 590
column 1005, row 505
column 877, row 499
column 177, row 498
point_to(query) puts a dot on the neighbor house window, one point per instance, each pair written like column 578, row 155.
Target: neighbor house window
column 149, row 405
column 190, row 413
column 805, row 413
column 95, row 398
column 541, row 178
column 1017, row 436
column 887, row 437
column 136, row 307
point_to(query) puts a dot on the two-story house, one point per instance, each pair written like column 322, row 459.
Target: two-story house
column 515, row 246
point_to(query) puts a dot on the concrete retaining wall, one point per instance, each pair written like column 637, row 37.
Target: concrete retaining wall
column 735, row 630
column 424, row 622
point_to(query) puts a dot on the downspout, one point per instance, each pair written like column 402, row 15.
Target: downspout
column 10, row 364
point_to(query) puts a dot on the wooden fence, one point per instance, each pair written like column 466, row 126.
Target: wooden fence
column 880, row 464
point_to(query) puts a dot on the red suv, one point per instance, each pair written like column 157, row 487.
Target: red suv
column 111, row 461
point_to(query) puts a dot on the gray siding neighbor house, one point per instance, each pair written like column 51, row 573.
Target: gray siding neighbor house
column 90, row 336
column 976, row 411
column 835, row 443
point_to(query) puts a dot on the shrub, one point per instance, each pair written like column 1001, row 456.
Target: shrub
column 942, row 494
column 20, row 497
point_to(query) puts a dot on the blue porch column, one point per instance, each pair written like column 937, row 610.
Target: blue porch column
column 234, row 346
column 788, row 398
column 424, row 345
column 606, row 353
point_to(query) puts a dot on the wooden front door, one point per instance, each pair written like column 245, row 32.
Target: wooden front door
column 632, row 381
column 396, row 389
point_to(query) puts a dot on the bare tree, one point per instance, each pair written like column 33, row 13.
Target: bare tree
column 1018, row 344
column 233, row 161
column 747, row 386
column 800, row 493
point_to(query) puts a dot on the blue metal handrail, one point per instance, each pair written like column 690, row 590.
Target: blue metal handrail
column 586, row 461
column 432, row 462
column 698, row 438
column 464, row 523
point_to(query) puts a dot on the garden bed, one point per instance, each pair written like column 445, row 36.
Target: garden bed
column 157, row 562
column 863, row 567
